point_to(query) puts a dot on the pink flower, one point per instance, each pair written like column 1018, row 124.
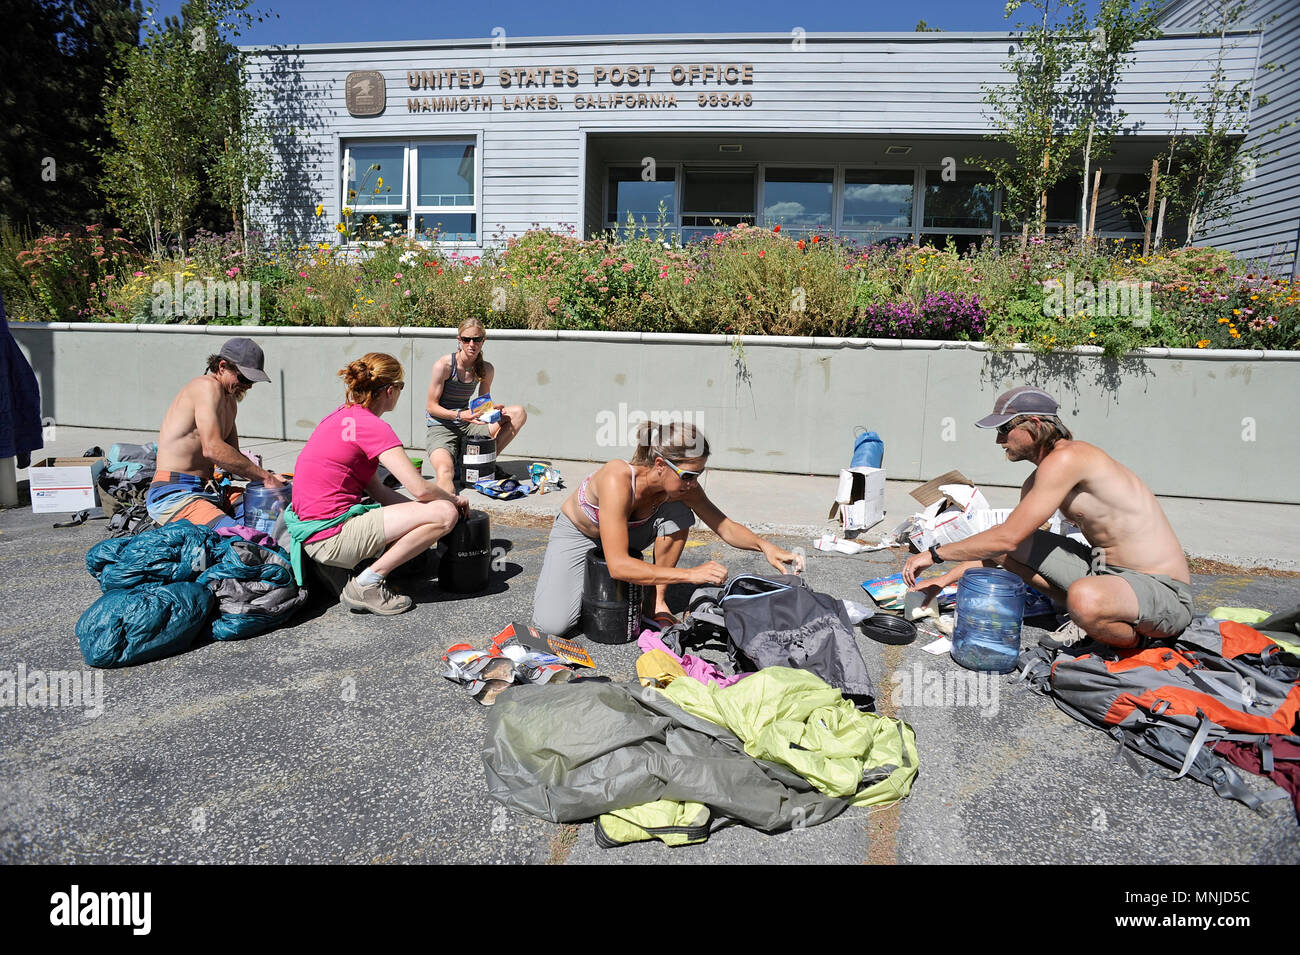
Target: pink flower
column 397, row 275
column 231, row 273
column 302, row 275
column 761, row 253
column 687, row 280
column 406, row 293
column 139, row 275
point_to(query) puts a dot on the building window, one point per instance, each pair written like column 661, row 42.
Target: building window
column 422, row 190
column 964, row 205
column 644, row 201
column 798, row 200
column 877, row 204
column 716, row 198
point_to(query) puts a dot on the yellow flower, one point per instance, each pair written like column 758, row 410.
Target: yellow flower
column 347, row 210
column 341, row 228
column 352, row 193
column 1224, row 321
column 1236, row 311
column 1092, row 334
column 379, row 183
column 320, row 209
column 1203, row 343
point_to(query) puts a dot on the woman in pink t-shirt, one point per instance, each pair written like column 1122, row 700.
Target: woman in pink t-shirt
column 338, row 467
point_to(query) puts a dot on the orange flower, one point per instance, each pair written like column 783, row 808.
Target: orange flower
column 816, row 239
column 799, row 244
column 776, row 228
column 1203, row 343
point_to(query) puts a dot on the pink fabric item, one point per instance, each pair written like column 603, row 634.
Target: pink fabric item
column 697, row 669
column 339, row 460
column 247, row 533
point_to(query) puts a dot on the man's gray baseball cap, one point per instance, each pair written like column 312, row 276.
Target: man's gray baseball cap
column 246, row 355
column 1019, row 401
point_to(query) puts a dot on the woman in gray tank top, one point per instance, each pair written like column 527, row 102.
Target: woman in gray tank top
column 456, row 379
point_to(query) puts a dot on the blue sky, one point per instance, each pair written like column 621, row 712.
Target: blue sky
column 338, row 21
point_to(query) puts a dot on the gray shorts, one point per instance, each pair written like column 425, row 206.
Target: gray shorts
column 1164, row 604
column 558, row 599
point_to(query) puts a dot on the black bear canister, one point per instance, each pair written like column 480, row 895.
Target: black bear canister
column 466, row 567
column 611, row 609
column 478, row 459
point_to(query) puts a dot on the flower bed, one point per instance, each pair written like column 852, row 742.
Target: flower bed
column 1053, row 294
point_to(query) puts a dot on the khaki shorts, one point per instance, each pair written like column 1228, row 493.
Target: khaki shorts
column 1164, row 604
column 358, row 538
column 449, row 439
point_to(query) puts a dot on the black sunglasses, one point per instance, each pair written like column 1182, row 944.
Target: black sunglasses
column 471, row 338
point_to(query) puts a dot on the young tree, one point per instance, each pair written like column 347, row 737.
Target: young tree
column 153, row 169
column 1206, row 164
column 1033, row 112
column 1117, row 30
column 184, row 125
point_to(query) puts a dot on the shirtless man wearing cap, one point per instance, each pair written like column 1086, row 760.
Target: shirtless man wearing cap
column 1132, row 586
column 198, row 433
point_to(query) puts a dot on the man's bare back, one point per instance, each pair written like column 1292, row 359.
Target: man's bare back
column 1117, row 512
column 180, row 445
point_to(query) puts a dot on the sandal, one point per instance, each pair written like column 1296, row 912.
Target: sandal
column 661, row 621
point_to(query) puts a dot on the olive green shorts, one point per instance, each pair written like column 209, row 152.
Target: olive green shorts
column 1164, row 604
column 449, row 438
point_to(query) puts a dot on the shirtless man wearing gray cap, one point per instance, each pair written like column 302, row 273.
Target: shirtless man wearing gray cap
column 198, row 433
column 1131, row 587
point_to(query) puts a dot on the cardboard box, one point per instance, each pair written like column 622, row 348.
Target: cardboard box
column 62, row 485
column 860, row 498
column 948, row 519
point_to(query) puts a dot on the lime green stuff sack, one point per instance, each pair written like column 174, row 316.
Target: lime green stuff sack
column 794, row 718
column 671, row 822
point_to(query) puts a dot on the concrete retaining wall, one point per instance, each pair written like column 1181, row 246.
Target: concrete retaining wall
column 1190, row 423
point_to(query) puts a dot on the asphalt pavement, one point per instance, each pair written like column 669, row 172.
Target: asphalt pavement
column 335, row 740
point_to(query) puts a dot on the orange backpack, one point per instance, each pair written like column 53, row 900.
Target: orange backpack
column 1218, row 681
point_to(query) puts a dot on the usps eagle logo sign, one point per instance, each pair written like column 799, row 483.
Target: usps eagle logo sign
column 365, row 93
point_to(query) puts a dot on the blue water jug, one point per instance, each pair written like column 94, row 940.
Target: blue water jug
column 263, row 505
column 990, row 605
column 868, row 449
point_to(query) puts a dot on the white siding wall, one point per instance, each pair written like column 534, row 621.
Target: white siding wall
column 1268, row 217
column 919, row 84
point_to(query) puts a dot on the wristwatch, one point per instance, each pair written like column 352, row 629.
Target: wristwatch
column 934, row 554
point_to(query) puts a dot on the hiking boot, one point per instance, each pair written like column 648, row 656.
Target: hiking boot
column 374, row 598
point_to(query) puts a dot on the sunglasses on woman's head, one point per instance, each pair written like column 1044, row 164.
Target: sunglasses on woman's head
column 681, row 472
column 478, row 339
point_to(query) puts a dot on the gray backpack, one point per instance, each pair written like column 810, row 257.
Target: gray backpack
column 781, row 621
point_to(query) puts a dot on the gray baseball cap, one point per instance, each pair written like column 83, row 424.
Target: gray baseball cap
column 1019, row 401
column 246, row 355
